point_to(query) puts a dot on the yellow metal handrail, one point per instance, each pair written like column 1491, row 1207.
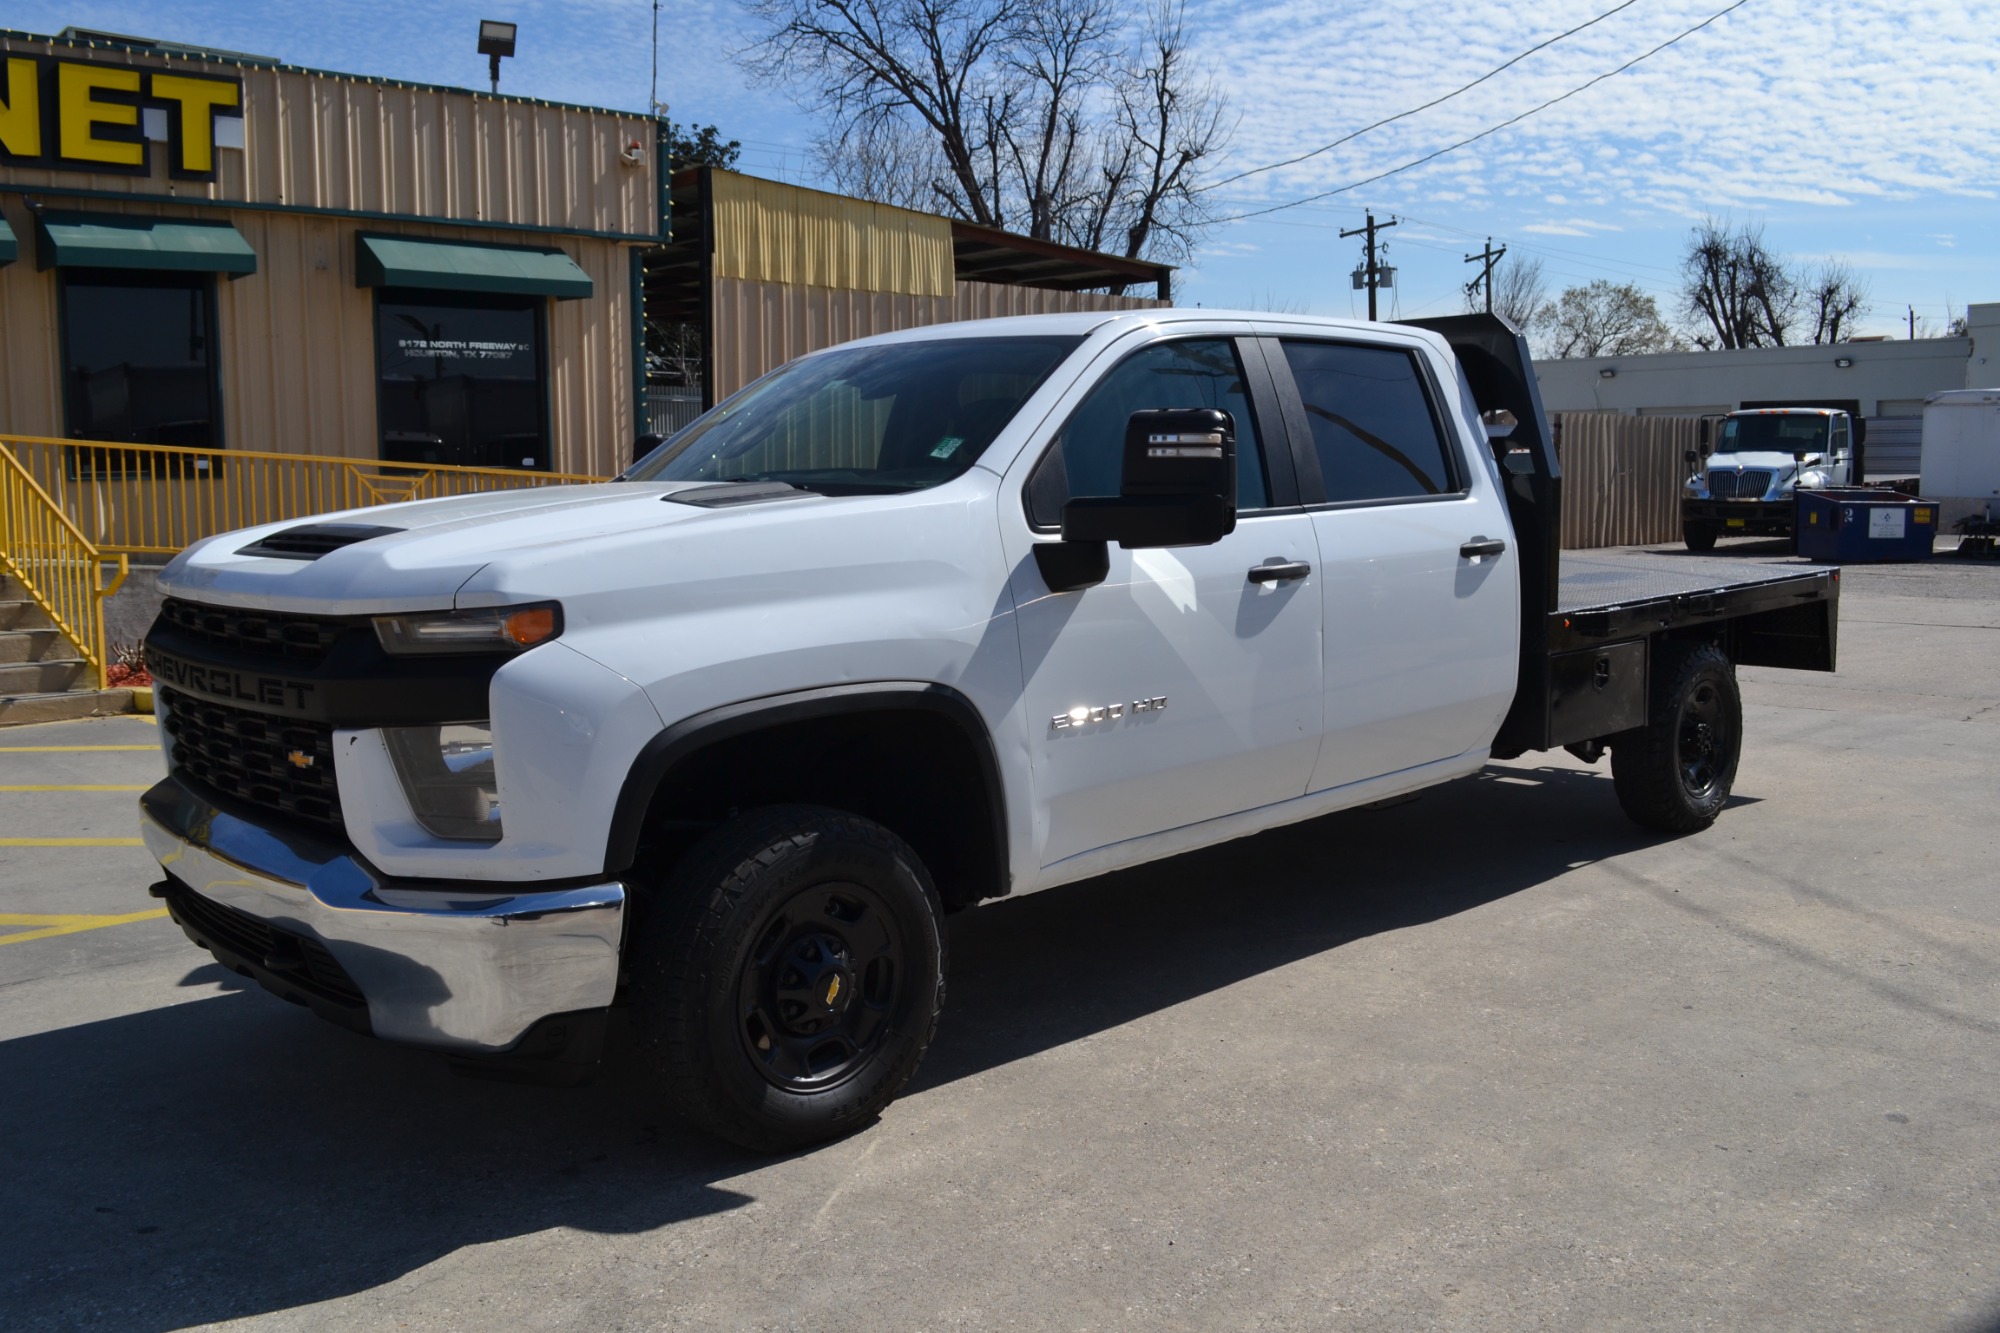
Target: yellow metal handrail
column 154, row 499
column 59, row 567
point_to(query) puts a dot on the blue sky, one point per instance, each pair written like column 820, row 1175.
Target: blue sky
column 1862, row 131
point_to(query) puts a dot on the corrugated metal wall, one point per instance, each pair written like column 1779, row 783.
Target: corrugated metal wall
column 297, row 343
column 1622, row 477
column 766, row 231
column 761, row 325
column 314, row 140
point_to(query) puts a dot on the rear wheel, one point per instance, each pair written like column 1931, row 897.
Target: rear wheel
column 1698, row 536
column 1675, row 773
column 789, row 980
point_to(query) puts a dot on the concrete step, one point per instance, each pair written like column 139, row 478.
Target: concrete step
column 32, row 645
column 44, row 677
column 20, row 709
column 20, row 614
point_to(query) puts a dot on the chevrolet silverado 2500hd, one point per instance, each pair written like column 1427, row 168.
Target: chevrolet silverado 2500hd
column 911, row 623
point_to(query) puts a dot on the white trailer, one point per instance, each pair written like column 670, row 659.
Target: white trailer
column 1961, row 455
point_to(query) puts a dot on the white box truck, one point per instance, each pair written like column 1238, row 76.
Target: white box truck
column 1961, row 457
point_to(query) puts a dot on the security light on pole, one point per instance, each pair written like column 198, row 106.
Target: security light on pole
column 496, row 39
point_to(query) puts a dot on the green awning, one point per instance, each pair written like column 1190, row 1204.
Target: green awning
column 116, row 240
column 9, row 251
column 395, row 261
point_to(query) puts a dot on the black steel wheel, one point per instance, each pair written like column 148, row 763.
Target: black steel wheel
column 1675, row 773
column 1698, row 536
column 788, row 976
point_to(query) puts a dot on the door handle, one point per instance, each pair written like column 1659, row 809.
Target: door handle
column 1480, row 546
column 1279, row 571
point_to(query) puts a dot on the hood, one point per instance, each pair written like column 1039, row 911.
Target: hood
column 1758, row 460
column 436, row 547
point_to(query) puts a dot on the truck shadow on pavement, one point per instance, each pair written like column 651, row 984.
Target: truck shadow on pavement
column 230, row 1156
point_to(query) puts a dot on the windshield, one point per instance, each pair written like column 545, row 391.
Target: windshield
column 1780, row 433
column 864, row 420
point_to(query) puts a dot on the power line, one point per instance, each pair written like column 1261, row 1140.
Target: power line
column 1489, row 130
column 1436, row 101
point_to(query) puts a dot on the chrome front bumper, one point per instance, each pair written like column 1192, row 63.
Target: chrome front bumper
column 465, row 967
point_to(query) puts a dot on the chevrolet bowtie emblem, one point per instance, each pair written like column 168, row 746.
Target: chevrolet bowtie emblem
column 299, row 759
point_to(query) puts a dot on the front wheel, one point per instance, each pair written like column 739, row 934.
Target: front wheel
column 1698, row 536
column 1675, row 773
column 788, row 979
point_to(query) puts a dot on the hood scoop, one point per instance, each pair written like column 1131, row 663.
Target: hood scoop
column 727, row 494
column 310, row 541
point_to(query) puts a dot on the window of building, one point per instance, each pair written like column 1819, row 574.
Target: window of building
column 139, row 361
column 1089, row 456
column 462, row 379
column 1372, row 425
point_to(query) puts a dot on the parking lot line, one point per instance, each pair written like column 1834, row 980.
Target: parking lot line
column 72, row 749
column 42, row 925
column 71, row 842
column 75, row 787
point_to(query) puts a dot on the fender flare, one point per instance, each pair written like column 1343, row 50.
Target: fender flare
column 691, row 735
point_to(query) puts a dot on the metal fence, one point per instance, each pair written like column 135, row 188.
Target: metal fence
column 667, row 410
column 154, row 499
column 1622, row 477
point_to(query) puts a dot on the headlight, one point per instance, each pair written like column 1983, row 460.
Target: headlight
column 1693, row 486
column 503, row 629
column 447, row 772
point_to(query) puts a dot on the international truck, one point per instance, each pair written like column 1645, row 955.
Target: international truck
column 1747, row 485
column 911, row 624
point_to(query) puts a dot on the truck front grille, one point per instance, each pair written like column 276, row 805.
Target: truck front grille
column 1738, row 485
column 260, row 633
column 280, row 764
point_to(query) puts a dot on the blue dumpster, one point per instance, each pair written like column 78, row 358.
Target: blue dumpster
column 1852, row 524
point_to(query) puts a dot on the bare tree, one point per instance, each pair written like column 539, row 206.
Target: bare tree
column 1734, row 290
column 1607, row 319
column 1038, row 115
column 1836, row 300
column 1520, row 293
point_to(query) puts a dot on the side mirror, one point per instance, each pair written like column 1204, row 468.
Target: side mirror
column 1687, row 456
column 1702, row 432
column 1178, row 487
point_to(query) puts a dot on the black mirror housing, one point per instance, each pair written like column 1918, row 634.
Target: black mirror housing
column 1178, row 487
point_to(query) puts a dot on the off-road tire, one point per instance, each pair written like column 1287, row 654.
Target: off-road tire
column 1698, row 536
column 711, row 970
column 1674, row 774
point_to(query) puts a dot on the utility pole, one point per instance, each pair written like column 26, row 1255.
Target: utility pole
column 1913, row 323
column 1489, row 256
column 1373, row 274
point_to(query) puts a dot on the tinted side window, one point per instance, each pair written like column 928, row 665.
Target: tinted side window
column 1089, row 455
column 1372, row 424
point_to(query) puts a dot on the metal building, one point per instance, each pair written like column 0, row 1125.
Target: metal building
column 218, row 250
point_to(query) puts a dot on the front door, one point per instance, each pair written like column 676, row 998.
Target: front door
column 1421, row 627
column 1182, row 687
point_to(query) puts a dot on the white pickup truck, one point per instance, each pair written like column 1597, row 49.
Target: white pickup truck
column 909, row 624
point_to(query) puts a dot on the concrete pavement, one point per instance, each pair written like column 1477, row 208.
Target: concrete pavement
column 1490, row 1059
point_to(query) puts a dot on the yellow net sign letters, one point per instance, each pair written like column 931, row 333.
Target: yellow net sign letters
column 82, row 115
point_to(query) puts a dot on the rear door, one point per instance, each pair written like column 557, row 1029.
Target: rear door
column 1183, row 687
column 1419, row 580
